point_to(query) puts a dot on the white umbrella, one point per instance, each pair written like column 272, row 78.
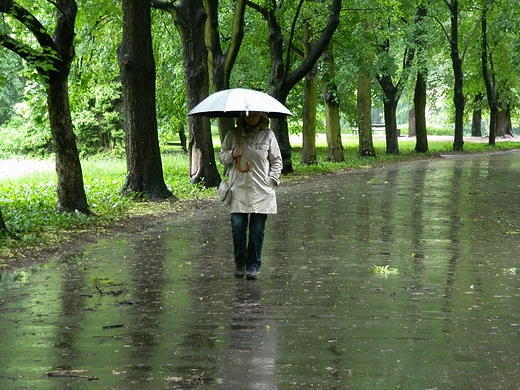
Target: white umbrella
column 231, row 102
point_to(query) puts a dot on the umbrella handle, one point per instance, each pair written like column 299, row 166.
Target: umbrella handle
column 248, row 165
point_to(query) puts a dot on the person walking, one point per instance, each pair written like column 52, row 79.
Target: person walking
column 253, row 162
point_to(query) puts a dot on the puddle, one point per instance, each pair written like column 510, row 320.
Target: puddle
column 161, row 309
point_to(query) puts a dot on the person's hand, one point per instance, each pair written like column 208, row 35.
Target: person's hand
column 238, row 151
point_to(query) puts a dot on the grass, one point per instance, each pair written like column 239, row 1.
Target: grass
column 28, row 200
column 384, row 270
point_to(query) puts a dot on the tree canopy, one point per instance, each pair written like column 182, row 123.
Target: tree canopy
column 455, row 50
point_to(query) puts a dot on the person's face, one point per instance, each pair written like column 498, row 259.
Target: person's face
column 252, row 119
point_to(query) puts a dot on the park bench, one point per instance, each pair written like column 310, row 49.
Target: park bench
column 181, row 142
column 175, row 143
column 376, row 128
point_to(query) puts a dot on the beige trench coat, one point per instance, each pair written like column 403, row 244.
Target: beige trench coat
column 253, row 191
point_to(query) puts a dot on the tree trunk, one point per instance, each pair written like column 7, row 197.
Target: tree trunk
column 332, row 118
column 333, row 129
column 492, row 132
column 278, row 89
column 3, row 227
column 421, row 40
column 390, row 108
column 189, row 17
column 392, row 145
column 458, row 93
column 490, row 85
column 137, row 68
column 310, row 98
column 71, row 191
column 411, row 123
column 310, row 101
column 364, row 115
column 504, row 126
column 476, row 122
column 280, row 127
column 419, row 99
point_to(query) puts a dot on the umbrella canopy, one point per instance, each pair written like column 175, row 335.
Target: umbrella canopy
column 231, row 102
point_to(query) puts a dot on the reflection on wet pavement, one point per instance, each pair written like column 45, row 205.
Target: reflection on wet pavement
column 161, row 309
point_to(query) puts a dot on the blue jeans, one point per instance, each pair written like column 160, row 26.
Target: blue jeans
column 248, row 252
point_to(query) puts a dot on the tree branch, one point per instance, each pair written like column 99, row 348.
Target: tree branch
column 469, row 39
column 237, row 36
column 71, row 25
column 318, row 49
column 446, row 34
column 24, row 51
column 163, row 5
column 6, row 5
column 291, row 37
column 33, row 25
column 256, row 7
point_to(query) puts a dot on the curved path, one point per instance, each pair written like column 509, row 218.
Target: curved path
column 400, row 277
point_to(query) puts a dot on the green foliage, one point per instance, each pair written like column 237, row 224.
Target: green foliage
column 99, row 123
column 11, row 83
column 28, row 131
column 432, row 130
column 252, row 66
column 31, row 210
column 103, row 281
column 28, row 202
column 95, row 90
column 170, row 86
column 384, row 270
column 176, row 177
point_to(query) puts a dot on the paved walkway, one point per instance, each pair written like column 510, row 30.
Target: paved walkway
column 400, row 277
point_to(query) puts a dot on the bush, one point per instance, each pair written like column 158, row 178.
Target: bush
column 98, row 122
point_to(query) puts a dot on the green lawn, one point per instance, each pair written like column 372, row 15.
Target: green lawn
column 28, row 188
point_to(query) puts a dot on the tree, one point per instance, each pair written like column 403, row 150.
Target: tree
column 364, row 119
column 358, row 32
column 137, row 65
column 310, row 100
column 220, row 61
column 95, row 82
column 332, row 104
column 282, row 77
column 52, row 60
column 476, row 121
column 457, row 58
column 498, row 68
column 489, row 80
column 189, row 17
column 392, row 91
column 172, row 120
column 419, row 101
column 504, row 125
column 419, row 97
column 11, row 83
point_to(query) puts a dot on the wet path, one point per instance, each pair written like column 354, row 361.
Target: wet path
column 161, row 310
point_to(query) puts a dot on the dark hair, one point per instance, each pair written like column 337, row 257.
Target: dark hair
column 263, row 123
